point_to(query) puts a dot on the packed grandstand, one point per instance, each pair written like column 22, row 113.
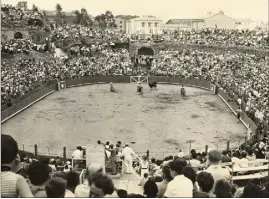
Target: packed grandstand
column 96, row 51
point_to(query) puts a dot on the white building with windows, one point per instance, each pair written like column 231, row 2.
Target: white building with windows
column 144, row 25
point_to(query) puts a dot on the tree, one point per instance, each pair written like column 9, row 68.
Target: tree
column 83, row 18
column 106, row 20
column 34, row 8
column 60, row 17
column 59, row 8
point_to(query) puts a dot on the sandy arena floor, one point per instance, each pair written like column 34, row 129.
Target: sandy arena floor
column 160, row 120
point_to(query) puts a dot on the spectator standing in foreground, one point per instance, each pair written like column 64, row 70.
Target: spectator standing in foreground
column 180, row 186
column 12, row 184
column 215, row 168
column 205, row 182
column 39, row 175
column 83, row 190
column 72, row 178
column 100, row 186
column 162, row 186
column 190, row 173
column 223, row 189
column 56, row 188
column 150, row 189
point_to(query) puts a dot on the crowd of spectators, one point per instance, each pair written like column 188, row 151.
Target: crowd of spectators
column 175, row 176
column 215, row 36
column 22, row 46
column 11, row 15
column 78, row 32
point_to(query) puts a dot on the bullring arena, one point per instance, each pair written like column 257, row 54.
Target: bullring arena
column 132, row 107
column 159, row 121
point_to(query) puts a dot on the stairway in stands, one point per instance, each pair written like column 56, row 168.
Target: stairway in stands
column 125, row 181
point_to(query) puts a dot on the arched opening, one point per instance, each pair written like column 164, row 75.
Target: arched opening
column 18, row 35
column 143, row 60
column 145, row 51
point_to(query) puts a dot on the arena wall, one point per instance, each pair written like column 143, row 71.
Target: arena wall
column 46, row 90
column 35, row 96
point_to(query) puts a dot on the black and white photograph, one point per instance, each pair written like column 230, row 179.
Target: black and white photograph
column 135, row 99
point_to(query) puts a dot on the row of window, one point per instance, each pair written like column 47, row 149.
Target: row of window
column 149, row 24
column 141, row 31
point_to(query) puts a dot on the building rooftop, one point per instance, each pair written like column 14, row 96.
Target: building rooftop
column 147, row 18
column 180, row 21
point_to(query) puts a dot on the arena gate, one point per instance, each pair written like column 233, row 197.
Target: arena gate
column 139, row 79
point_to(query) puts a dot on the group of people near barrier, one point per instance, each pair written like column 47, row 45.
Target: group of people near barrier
column 198, row 174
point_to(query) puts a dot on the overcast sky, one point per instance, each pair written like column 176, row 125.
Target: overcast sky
column 164, row 9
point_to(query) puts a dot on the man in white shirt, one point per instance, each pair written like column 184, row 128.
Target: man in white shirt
column 243, row 162
column 78, row 153
column 108, row 153
column 180, row 154
column 127, row 153
column 215, row 168
column 180, row 186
